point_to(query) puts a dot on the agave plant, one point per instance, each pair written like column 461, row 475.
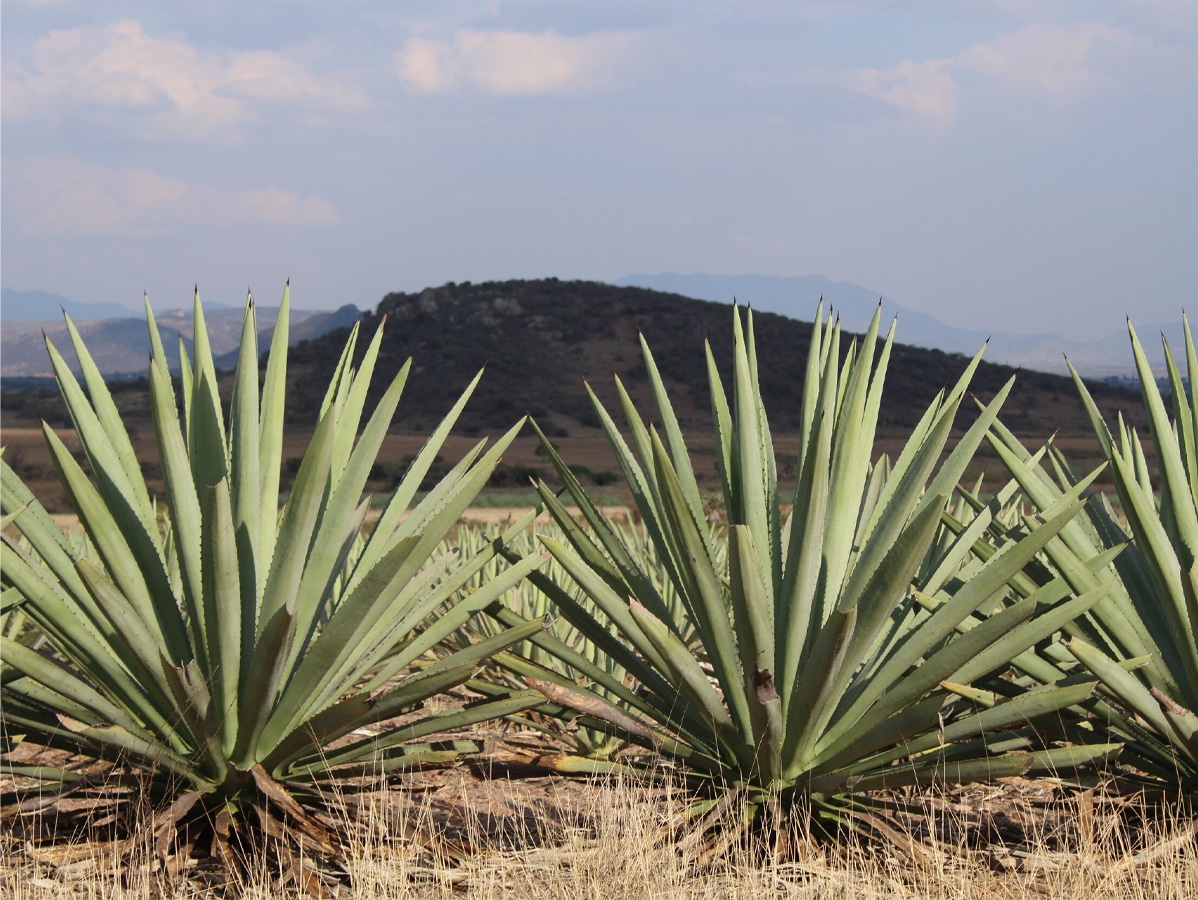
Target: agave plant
column 1141, row 643
column 223, row 646
column 823, row 658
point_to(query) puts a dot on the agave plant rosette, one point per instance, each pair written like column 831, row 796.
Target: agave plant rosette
column 1142, row 642
column 224, row 646
column 828, row 638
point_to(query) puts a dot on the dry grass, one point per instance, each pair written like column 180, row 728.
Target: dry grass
column 454, row 835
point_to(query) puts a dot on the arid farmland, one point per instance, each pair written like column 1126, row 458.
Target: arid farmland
column 719, row 663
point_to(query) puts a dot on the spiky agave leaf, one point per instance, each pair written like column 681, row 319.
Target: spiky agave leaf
column 825, row 670
column 230, row 642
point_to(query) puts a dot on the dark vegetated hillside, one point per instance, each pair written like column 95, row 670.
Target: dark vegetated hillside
column 540, row 339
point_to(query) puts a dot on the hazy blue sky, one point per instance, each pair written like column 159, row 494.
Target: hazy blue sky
column 1013, row 167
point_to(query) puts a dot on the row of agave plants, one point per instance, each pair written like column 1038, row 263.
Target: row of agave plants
column 883, row 626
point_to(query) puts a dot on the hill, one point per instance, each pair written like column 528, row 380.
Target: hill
column 540, row 339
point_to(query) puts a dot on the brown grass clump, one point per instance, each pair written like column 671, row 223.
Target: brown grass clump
column 452, row 834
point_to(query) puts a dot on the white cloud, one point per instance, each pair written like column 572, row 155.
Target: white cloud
column 1054, row 62
column 927, row 88
column 64, row 195
column 168, row 88
column 511, row 63
column 426, row 67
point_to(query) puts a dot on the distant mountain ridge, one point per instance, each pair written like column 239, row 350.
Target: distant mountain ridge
column 796, row 297
column 121, row 346
column 43, row 306
column 25, row 313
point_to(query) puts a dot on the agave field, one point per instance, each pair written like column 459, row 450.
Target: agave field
column 794, row 669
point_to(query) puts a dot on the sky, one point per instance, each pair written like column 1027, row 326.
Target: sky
column 1003, row 166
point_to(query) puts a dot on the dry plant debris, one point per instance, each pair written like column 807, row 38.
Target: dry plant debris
column 453, row 832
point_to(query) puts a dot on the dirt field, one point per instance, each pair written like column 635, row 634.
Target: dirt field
column 25, row 451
